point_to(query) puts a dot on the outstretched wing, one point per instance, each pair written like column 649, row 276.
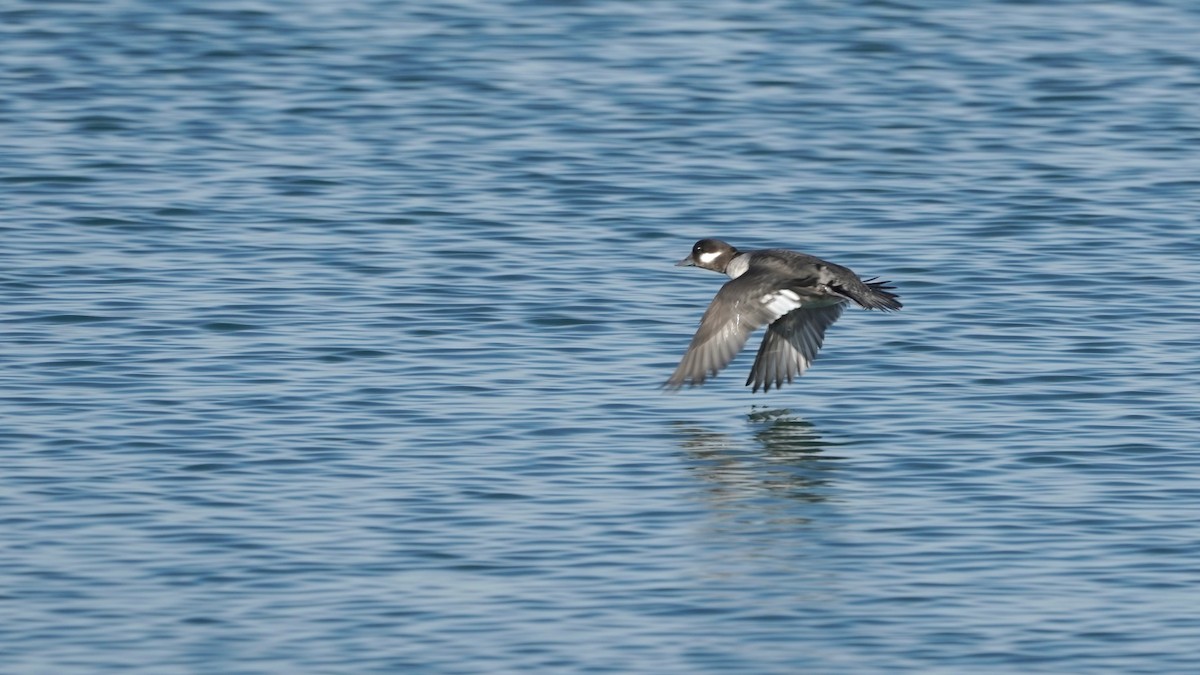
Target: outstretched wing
column 791, row 344
column 739, row 308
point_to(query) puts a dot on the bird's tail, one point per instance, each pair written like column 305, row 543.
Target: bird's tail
column 880, row 296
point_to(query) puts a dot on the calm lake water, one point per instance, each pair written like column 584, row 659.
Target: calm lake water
column 332, row 335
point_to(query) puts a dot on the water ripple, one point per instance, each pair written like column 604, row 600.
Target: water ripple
column 333, row 335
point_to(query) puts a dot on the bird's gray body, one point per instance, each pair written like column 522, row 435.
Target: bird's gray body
column 796, row 295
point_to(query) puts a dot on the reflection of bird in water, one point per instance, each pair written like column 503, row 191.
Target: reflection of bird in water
column 786, row 458
column 784, row 435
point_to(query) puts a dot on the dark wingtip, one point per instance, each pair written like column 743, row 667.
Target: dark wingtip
column 765, row 385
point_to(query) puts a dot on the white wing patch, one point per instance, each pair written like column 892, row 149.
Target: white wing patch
column 781, row 302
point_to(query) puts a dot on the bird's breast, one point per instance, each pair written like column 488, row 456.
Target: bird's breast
column 738, row 266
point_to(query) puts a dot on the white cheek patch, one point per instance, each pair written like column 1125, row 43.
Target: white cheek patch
column 707, row 258
column 781, row 302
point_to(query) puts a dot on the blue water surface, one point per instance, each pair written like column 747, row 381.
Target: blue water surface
column 332, row 335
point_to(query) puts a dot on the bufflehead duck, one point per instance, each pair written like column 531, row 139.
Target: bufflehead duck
column 796, row 295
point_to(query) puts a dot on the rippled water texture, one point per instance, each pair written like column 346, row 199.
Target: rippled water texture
column 333, row 331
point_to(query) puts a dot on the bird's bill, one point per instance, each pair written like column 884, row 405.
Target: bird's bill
column 686, row 262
